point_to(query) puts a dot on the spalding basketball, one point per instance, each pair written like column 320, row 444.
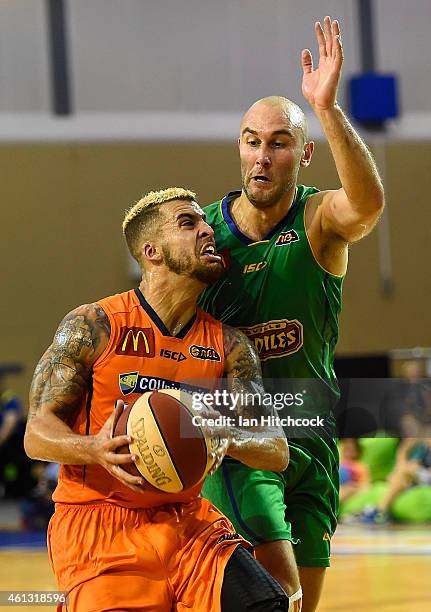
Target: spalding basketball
column 173, row 454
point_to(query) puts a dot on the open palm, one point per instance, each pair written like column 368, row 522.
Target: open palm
column 320, row 85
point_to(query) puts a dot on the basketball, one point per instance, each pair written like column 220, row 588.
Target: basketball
column 173, row 454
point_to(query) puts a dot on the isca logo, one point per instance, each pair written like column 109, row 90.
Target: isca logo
column 254, row 267
column 174, row 355
column 204, row 352
column 276, row 338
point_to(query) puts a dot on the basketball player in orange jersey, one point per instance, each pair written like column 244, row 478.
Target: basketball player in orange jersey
column 112, row 545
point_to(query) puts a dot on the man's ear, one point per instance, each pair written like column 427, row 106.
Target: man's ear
column 307, row 154
column 151, row 252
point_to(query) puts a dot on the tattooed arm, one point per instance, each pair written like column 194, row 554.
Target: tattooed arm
column 58, row 391
column 259, row 446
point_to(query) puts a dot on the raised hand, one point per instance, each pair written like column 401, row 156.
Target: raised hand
column 319, row 85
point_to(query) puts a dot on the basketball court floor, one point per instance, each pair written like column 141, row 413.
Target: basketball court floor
column 373, row 569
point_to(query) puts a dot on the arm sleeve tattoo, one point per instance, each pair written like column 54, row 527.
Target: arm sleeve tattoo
column 62, row 375
column 244, row 375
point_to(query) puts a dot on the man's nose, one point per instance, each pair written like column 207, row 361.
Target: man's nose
column 206, row 230
column 264, row 157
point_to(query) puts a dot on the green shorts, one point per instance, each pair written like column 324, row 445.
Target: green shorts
column 300, row 504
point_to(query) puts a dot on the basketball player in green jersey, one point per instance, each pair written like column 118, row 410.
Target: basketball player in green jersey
column 286, row 250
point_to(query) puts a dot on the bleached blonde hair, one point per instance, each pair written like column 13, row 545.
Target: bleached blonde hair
column 141, row 219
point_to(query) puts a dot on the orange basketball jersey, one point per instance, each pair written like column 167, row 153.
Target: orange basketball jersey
column 141, row 356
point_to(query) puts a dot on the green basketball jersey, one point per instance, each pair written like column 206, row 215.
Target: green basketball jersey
column 288, row 305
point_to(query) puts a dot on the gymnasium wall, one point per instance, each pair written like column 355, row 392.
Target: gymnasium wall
column 198, row 55
column 62, row 207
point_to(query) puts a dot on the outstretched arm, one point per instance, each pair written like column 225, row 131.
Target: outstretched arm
column 58, row 390
column 352, row 211
column 265, row 446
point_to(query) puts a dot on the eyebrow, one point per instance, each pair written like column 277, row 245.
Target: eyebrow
column 191, row 215
column 281, row 131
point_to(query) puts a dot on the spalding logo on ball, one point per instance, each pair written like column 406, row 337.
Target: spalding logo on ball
column 172, row 453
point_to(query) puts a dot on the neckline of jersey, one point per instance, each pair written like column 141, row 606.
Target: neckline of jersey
column 159, row 323
column 227, row 217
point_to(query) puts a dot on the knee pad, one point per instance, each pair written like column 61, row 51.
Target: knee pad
column 248, row 587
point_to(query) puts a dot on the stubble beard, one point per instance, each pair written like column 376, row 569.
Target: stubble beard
column 184, row 266
column 266, row 199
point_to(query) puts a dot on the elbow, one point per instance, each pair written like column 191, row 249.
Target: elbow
column 280, row 459
column 380, row 201
column 29, row 444
column 371, row 203
column 376, row 200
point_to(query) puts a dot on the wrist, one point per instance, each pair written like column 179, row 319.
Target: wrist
column 322, row 112
column 91, row 450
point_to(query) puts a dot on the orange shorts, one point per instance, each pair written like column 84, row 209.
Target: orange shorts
column 172, row 557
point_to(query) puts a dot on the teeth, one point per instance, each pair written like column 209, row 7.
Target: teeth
column 209, row 250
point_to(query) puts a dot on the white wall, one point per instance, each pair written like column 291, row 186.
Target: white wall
column 404, row 47
column 24, row 76
column 193, row 58
column 193, row 55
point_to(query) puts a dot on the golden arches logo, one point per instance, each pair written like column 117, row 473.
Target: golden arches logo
column 136, row 341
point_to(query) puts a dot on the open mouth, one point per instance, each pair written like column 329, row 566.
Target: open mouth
column 209, row 252
column 260, row 178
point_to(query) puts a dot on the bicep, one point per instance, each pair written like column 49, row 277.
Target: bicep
column 59, row 384
column 61, row 377
column 338, row 217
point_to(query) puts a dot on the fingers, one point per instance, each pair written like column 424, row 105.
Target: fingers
column 118, row 410
column 328, row 38
column 337, row 48
column 118, row 442
column 320, row 39
column 327, row 28
column 133, row 482
column 120, row 458
column 111, row 421
column 307, row 61
column 218, row 456
column 208, row 416
column 336, row 28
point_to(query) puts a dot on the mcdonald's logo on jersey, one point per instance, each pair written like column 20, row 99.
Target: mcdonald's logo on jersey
column 136, row 342
column 286, row 238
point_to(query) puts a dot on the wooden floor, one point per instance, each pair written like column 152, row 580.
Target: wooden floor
column 381, row 571
column 361, row 583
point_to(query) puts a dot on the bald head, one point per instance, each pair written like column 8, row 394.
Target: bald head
column 273, row 146
column 277, row 108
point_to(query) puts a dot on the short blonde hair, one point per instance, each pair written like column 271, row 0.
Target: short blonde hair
column 140, row 219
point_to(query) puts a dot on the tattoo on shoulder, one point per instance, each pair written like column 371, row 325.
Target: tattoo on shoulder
column 61, row 376
column 244, row 374
column 241, row 354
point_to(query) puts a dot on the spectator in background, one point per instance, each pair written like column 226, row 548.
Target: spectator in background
column 416, row 416
column 407, row 407
column 353, row 474
column 15, row 479
column 38, row 507
column 412, row 468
